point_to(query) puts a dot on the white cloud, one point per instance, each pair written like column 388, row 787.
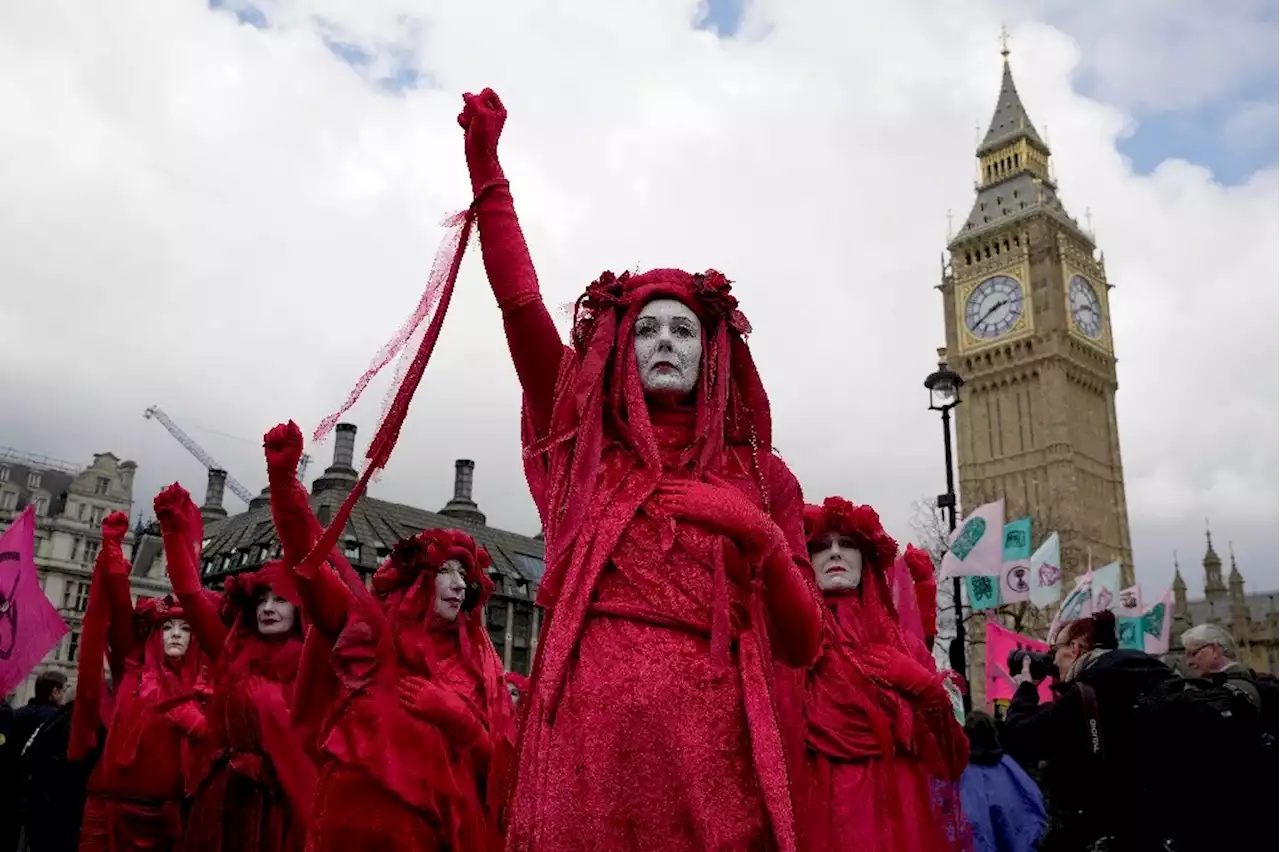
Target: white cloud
column 229, row 222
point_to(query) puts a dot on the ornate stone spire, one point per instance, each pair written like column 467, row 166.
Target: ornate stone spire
column 1010, row 121
column 1212, row 565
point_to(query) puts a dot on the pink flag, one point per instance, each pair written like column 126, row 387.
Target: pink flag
column 29, row 625
column 1000, row 642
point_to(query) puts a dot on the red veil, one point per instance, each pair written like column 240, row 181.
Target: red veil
column 883, row 765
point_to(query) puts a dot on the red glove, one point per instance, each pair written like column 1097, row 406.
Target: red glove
column 284, row 448
column 900, row 672
column 482, row 118
column 724, row 510
column 440, row 707
column 174, row 509
column 114, row 528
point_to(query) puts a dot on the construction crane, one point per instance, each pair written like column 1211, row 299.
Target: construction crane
column 205, row 459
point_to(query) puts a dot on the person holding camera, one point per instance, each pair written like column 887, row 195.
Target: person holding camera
column 1083, row 739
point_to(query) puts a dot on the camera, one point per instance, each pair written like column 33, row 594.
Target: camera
column 1042, row 665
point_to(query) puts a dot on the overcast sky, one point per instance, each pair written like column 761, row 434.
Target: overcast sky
column 225, row 209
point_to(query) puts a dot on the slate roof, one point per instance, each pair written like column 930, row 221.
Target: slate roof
column 245, row 541
column 1010, row 120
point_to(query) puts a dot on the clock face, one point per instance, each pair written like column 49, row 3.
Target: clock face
column 1086, row 310
column 993, row 307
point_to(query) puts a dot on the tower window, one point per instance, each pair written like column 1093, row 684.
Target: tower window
column 1015, row 193
column 1006, row 243
column 1015, row 238
column 1015, row 161
column 968, row 259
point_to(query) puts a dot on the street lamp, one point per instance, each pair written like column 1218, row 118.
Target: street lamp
column 944, row 386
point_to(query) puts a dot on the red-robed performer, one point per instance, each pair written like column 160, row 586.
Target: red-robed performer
column 258, row 781
column 884, row 751
column 417, row 731
column 135, row 792
column 675, row 554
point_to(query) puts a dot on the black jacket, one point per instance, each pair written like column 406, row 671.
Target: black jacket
column 1083, row 799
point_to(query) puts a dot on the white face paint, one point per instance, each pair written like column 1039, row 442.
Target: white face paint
column 837, row 562
column 275, row 615
column 451, row 586
column 668, row 348
column 176, row 634
column 514, row 693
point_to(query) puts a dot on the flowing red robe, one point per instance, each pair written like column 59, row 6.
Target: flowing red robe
column 880, row 768
column 389, row 780
column 258, row 781
column 649, row 723
column 136, row 789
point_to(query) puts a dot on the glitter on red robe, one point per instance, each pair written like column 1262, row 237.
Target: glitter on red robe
column 415, row 734
column 257, row 780
column 675, row 557
column 884, row 749
column 156, row 720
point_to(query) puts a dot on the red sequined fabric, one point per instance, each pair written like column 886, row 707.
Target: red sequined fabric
column 649, row 722
column 151, row 746
column 257, row 781
column 884, row 750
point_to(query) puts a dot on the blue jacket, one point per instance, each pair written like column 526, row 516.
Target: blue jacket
column 1004, row 806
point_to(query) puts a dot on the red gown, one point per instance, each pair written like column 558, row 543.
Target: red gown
column 136, row 789
column 649, row 722
column 390, row 779
column 884, row 749
column 257, row 781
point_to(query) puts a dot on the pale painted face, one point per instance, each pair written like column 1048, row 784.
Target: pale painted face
column 451, row 586
column 176, row 634
column 837, row 562
column 668, row 348
column 514, row 693
column 275, row 615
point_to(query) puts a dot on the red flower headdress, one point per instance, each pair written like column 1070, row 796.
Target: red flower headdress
column 150, row 613
column 861, row 523
column 241, row 592
column 429, row 550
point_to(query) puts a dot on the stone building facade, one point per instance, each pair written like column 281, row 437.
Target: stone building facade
column 70, row 502
column 246, row 541
column 1251, row 617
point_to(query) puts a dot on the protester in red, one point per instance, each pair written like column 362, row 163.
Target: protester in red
column 417, row 731
column 136, row 789
column 675, row 555
column 884, row 749
column 256, row 786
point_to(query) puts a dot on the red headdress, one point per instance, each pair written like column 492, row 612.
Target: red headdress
column 276, row 657
column 599, row 397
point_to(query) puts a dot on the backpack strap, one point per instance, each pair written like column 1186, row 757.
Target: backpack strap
column 1093, row 724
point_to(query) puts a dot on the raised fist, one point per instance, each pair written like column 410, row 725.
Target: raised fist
column 284, row 447
column 482, row 118
column 115, row 527
column 173, row 507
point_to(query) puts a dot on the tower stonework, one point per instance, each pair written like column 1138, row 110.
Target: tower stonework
column 1028, row 326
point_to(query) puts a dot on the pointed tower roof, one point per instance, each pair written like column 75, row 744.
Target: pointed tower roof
column 1236, row 578
column 1178, row 582
column 1015, row 179
column 1010, row 121
column 1210, row 555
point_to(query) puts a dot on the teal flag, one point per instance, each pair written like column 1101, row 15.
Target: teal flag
column 984, row 592
column 1017, row 540
column 1129, row 631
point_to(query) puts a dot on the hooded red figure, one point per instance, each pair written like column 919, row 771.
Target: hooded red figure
column 416, row 732
column 675, row 555
column 136, row 789
column 884, row 750
column 257, row 780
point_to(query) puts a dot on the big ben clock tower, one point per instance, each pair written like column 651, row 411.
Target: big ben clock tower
column 1028, row 326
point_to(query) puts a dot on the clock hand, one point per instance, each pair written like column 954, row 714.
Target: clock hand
column 997, row 306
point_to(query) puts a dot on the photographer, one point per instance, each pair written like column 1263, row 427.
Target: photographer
column 1082, row 739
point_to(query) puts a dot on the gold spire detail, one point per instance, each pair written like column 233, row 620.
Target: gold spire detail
column 1004, row 42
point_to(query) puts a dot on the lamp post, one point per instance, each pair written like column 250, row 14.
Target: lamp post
column 944, row 386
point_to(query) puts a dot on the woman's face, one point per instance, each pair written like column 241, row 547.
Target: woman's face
column 837, row 562
column 176, row 634
column 514, row 693
column 275, row 614
column 451, row 586
column 668, row 348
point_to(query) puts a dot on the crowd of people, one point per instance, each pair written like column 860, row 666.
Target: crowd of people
column 721, row 666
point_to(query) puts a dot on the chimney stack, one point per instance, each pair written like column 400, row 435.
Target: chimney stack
column 462, row 506
column 212, row 509
column 341, row 475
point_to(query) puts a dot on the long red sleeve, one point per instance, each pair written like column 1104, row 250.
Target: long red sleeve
column 184, row 574
column 115, row 583
column 536, row 348
column 792, row 603
column 325, row 598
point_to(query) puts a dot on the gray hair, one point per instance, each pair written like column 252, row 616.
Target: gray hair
column 1210, row 634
